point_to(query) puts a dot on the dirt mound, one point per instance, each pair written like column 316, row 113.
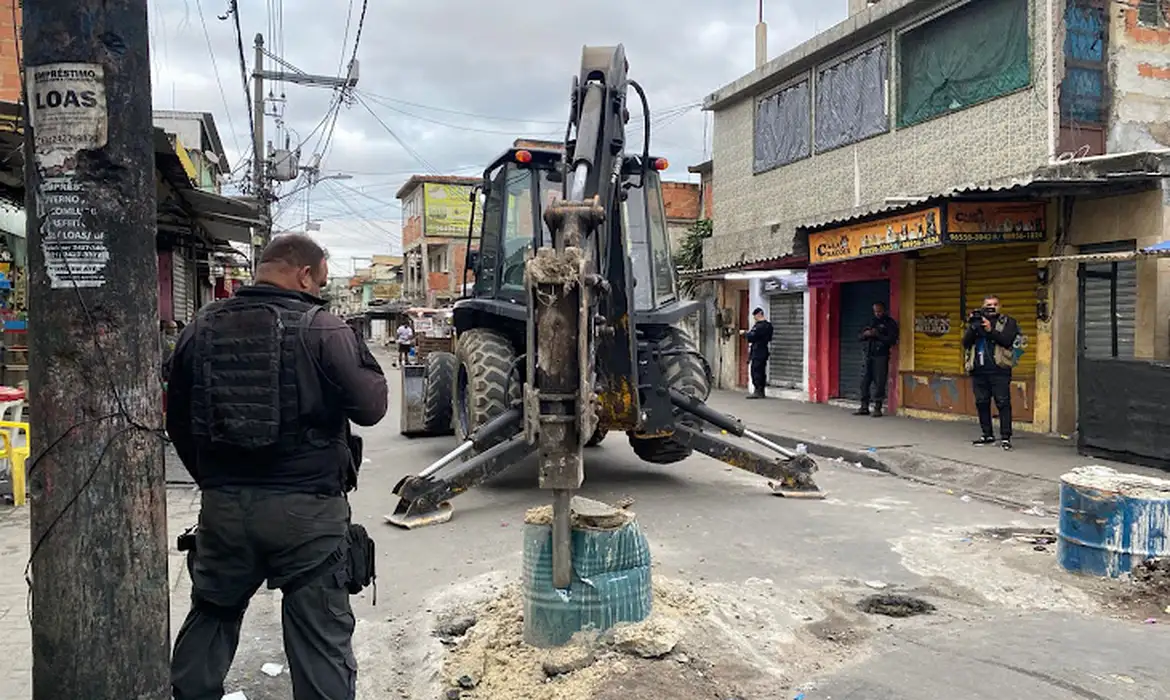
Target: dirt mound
column 491, row 660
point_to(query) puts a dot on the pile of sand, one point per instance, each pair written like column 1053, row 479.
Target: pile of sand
column 490, row 660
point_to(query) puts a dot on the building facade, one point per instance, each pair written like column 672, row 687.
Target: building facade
column 436, row 214
column 927, row 153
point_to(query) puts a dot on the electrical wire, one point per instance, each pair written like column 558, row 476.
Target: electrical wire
column 218, row 80
column 405, row 146
column 234, row 10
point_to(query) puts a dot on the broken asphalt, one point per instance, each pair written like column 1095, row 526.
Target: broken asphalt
column 938, row 453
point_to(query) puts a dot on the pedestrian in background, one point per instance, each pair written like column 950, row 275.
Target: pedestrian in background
column 879, row 336
column 404, row 336
column 758, row 339
column 263, row 387
column 990, row 351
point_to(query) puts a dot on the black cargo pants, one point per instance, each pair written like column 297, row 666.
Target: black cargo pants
column 247, row 536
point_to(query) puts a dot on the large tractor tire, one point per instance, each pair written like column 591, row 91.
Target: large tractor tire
column 685, row 370
column 487, row 381
column 596, row 438
column 438, row 397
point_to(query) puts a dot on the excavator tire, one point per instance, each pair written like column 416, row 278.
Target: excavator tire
column 684, row 369
column 437, row 397
column 487, row 381
column 598, row 436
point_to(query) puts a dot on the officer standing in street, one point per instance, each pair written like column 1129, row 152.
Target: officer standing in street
column 758, row 339
column 877, row 338
column 262, row 389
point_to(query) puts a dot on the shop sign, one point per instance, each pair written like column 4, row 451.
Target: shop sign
column 995, row 222
column 897, row 234
column 932, row 325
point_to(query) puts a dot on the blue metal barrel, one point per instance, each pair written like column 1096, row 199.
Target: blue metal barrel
column 611, row 583
column 1111, row 522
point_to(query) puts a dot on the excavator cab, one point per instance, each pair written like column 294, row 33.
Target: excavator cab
column 518, row 189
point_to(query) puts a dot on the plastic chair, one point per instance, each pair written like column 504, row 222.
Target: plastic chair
column 17, row 456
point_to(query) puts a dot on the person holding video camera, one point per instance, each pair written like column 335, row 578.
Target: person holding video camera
column 989, row 354
column 263, row 387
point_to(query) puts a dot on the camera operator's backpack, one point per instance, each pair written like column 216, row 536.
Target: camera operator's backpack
column 1018, row 346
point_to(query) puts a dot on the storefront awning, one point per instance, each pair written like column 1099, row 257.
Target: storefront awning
column 223, row 218
column 1159, row 250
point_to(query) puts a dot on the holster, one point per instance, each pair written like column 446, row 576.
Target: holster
column 355, row 445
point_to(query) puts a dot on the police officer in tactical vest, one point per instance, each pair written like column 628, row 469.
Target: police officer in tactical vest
column 262, row 390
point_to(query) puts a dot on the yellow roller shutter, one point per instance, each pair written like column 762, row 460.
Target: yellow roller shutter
column 938, row 321
column 1006, row 271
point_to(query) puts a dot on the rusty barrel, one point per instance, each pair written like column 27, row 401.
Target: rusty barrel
column 1110, row 522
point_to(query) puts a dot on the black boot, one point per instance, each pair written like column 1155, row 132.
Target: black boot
column 877, row 410
column 863, row 411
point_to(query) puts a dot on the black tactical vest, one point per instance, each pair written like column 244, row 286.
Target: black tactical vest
column 251, row 366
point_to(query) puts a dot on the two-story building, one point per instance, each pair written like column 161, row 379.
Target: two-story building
column 196, row 264
column 436, row 213
column 926, row 153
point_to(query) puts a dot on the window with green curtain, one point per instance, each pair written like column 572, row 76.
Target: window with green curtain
column 969, row 55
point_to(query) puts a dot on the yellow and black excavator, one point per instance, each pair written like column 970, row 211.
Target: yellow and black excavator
column 570, row 330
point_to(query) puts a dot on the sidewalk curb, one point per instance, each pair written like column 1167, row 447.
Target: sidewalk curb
column 914, row 467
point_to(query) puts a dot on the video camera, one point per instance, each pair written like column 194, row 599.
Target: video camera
column 977, row 316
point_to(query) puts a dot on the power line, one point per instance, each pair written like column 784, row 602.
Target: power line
column 218, row 81
column 234, row 10
column 405, row 146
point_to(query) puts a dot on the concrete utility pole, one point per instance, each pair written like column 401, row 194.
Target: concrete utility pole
column 259, row 156
column 100, row 613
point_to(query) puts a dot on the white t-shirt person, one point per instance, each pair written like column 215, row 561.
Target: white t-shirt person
column 404, row 335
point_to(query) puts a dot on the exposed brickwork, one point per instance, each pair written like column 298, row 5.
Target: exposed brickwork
column 758, row 213
column 9, row 40
column 681, row 200
column 1138, row 32
column 1148, row 70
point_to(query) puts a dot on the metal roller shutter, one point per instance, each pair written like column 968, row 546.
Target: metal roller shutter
column 1006, row 271
column 857, row 299
column 938, row 313
column 786, row 358
column 1098, row 311
column 180, row 289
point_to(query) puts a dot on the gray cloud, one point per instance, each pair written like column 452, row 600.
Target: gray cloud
column 455, row 81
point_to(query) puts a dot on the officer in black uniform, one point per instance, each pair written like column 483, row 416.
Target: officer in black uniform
column 262, row 389
column 879, row 335
column 758, row 339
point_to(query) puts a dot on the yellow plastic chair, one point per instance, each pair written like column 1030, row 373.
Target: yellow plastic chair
column 16, row 456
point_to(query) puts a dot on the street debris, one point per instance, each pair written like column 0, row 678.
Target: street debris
column 895, row 605
column 1153, row 575
column 238, row 695
column 490, row 660
column 272, row 670
column 876, row 585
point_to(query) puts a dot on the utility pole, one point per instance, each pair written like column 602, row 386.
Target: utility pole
column 259, row 155
column 100, row 612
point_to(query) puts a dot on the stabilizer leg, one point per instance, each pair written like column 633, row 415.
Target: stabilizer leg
column 792, row 476
column 424, row 499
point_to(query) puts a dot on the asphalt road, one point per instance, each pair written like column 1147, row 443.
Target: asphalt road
column 1008, row 623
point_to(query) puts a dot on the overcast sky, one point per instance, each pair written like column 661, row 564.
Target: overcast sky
column 449, row 83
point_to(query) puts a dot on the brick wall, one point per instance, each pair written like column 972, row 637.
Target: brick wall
column 681, row 200
column 758, row 213
column 1139, row 57
column 9, row 36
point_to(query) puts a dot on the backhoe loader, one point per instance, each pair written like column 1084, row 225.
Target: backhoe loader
column 570, row 330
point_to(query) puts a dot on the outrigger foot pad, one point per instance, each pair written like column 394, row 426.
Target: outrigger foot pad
column 798, row 481
column 407, row 520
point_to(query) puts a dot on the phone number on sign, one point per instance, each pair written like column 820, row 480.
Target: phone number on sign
column 895, row 246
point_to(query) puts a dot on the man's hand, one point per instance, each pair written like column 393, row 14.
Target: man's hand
column 986, row 324
column 867, row 333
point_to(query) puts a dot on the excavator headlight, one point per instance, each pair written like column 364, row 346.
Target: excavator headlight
column 523, row 156
column 660, row 164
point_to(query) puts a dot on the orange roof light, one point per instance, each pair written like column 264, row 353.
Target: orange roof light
column 523, row 156
column 660, row 164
